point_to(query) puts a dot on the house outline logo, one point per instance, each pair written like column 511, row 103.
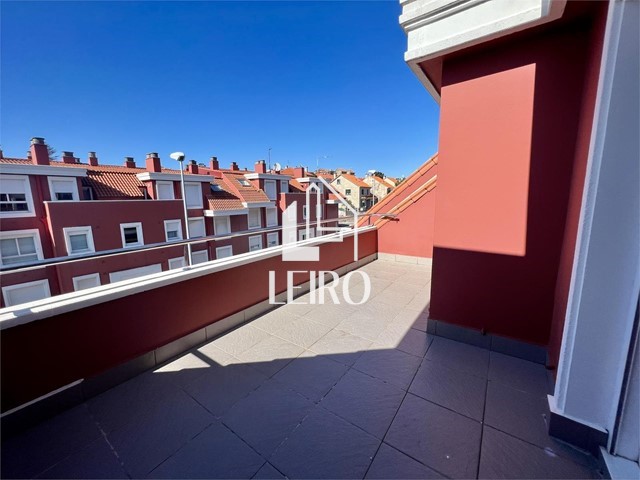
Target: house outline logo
column 293, row 251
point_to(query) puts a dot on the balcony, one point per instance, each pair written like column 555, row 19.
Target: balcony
column 313, row 391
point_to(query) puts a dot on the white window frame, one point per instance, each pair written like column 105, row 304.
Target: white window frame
column 270, row 237
column 274, row 211
column 73, row 182
column 165, row 184
column 304, row 212
column 302, row 234
column 225, row 248
column 6, row 291
column 259, row 239
column 91, row 276
column 30, row 212
column 284, row 186
column 167, row 227
column 197, row 203
column 15, row 234
column 199, row 253
column 68, row 231
column 200, row 220
column 318, row 211
column 227, row 220
column 138, row 227
column 272, row 184
column 172, row 261
column 259, row 218
column 138, row 272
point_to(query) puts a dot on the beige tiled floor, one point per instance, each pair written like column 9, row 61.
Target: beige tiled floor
column 316, row 391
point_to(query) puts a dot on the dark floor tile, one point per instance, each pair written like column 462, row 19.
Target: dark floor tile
column 267, row 416
column 221, row 387
column 526, row 416
column 450, row 388
column 268, row 472
column 97, row 460
column 526, row 376
column 390, row 463
column 41, row 447
column 504, row 456
column 459, row 356
column 389, row 365
column 147, row 441
column 437, row 437
column 214, row 453
column 311, row 375
column 325, row 446
column 365, row 401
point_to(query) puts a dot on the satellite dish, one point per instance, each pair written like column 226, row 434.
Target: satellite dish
column 277, row 167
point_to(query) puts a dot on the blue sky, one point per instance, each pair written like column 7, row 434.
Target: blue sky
column 215, row 78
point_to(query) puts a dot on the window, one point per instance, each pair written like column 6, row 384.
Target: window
column 62, row 188
column 87, row 193
column 338, row 181
column 15, row 196
column 362, row 191
column 284, row 186
column 199, row 257
column 78, row 240
column 270, row 189
column 347, row 191
column 20, row 246
column 243, row 182
column 196, row 227
column 177, row 262
column 302, row 234
column 221, row 225
column 224, row 252
column 272, row 239
column 304, row 212
column 272, row 217
column 173, row 230
column 164, row 191
column 131, row 234
column 193, row 193
column 86, row 281
column 135, row 272
column 255, row 243
column 254, row 218
column 216, row 188
column 318, row 211
column 25, row 292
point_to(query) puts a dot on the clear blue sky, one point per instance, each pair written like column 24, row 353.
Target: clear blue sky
column 215, row 78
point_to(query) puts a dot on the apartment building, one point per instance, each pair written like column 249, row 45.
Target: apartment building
column 355, row 191
column 380, row 188
column 54, row 209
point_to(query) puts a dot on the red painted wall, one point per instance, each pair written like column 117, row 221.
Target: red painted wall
column 83, row 343
column 509, row 295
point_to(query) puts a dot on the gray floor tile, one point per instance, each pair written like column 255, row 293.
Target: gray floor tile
column 405, row 338
column 342, row 346
column 325, row 446
column 186, row 368
column 521, row 374
column 214, row 453
column 526, row 416
column 145, row 442
column 267, row 416
column 299, row 308
column 268, row 472
column 311, row 375
column 329, row 314
column 396, row 298
column 437, row 437
column 389, row 365
column 240, row 340
column 450, row 388
column 365, row 401
column 412, row 318
column 504, row 456
column 390, row 463
column 363, row 324
column 303, row 332
column 273, row 320
column 221, row 387
column 270, row 355
column 41, row 447
column 97, row 460
column 459, row 356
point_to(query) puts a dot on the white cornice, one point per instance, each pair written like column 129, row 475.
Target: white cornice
column 224, row 213
column 266, row 176
column 259, row 204
column 17, row 169
column 173, row 177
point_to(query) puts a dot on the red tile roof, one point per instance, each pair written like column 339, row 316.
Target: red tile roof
column 296, row 185
column 355, row 180
column 224, row 199
column 246, row 193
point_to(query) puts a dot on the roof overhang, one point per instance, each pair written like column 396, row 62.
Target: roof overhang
column 266, row 176
column 173, row 177
column 225, row 213
column 259, row 204
column 10, row 168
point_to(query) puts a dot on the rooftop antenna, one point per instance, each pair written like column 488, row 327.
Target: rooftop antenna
column 269, row 159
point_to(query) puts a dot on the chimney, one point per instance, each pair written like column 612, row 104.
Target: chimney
column 39, row 151
column 234, row 166
column 93, row 159
column 67, row 157
column 1, row 154
column 192, row 167
column 261, row 166
column 152, row 162
column 129, row 162
column 213, row 163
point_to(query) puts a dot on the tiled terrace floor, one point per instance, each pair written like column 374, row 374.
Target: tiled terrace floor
column 316, row 391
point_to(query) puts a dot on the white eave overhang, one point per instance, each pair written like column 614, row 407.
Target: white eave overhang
column 266, row 176
column 173, row 177
column 17, row 169
column 309, row 180
column 259, row 204
column 438, row 27
column 225, row 213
